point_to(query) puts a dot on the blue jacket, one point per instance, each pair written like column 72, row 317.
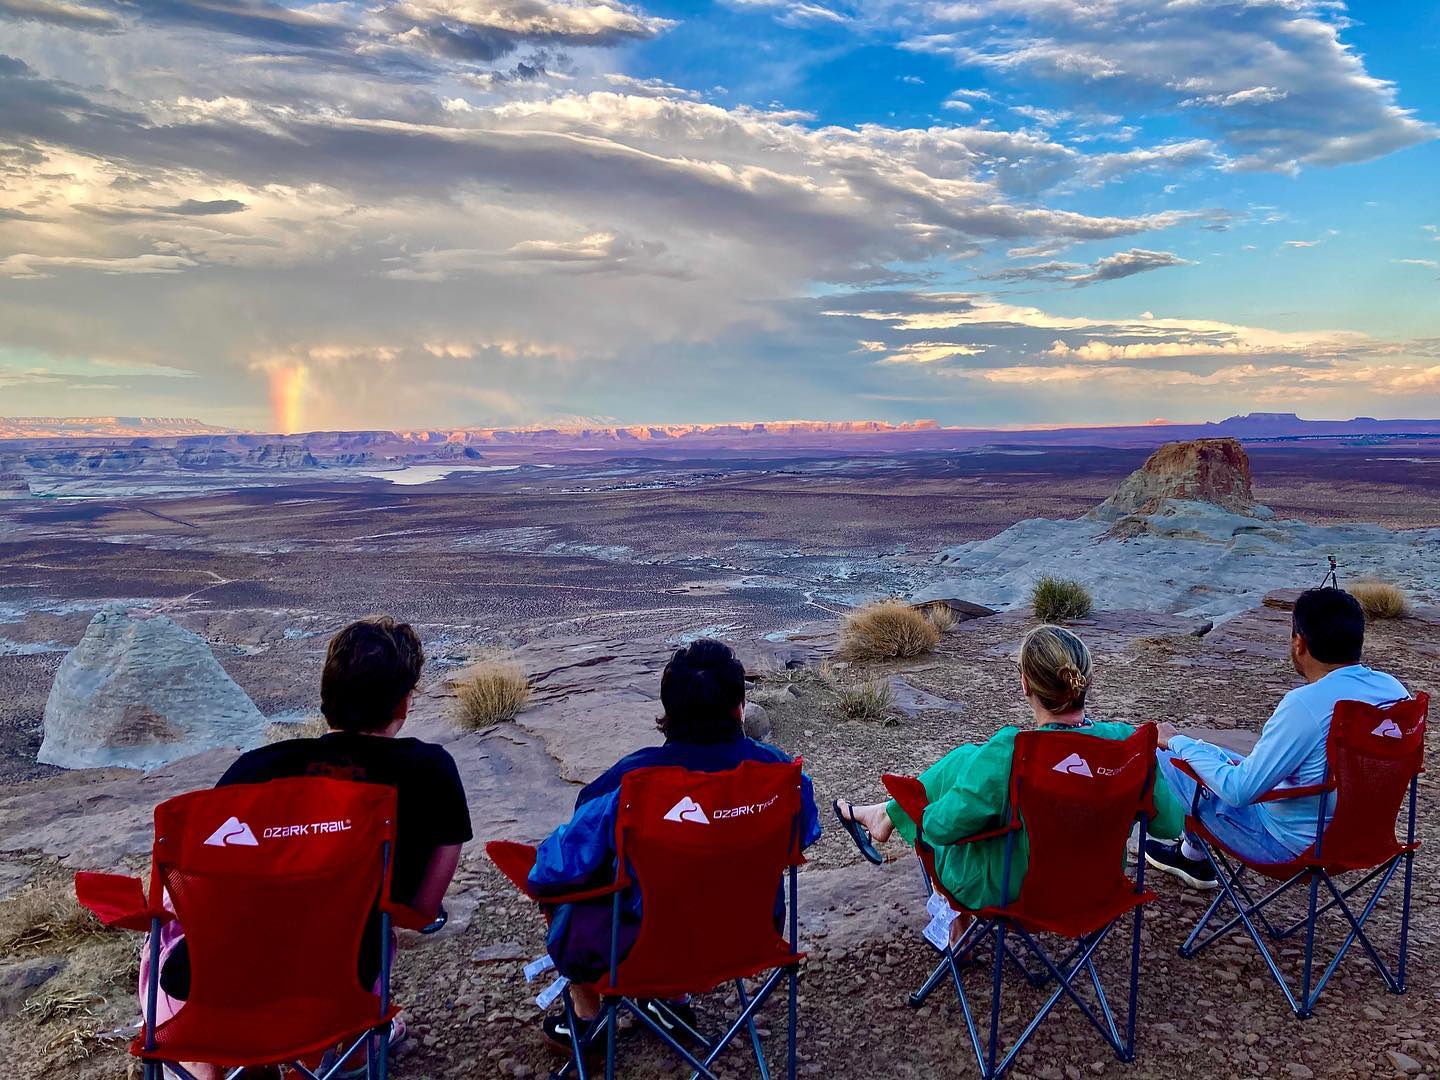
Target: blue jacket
column 581, row 853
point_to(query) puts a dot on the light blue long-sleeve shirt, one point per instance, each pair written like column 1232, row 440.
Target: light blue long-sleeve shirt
column 1290, row 753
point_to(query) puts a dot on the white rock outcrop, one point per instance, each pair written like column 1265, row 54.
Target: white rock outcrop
column 139, row 693
column 1145, row 550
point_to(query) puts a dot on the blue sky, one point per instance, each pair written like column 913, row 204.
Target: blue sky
column 436, row 213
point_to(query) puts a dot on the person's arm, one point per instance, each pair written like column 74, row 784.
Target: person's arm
column 1285, row 742
column 809, row 813
column 439, row 872
column 975, row 801
column 576, row 852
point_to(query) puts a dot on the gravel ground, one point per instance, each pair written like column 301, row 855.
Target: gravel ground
column 472, row 1014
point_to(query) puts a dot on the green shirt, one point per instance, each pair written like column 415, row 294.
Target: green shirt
column 968, row 789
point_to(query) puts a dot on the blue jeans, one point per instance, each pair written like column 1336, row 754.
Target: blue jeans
column 1239, row 828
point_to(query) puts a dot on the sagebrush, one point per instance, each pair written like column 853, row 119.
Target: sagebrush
column 888, row 630
column 491, row 692
column 1060, row 599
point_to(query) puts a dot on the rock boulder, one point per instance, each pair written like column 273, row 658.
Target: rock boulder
column 1215, row 471
column 138, row 693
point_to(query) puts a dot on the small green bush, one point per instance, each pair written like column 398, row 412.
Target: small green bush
column 870, row 701
column 1059, row 600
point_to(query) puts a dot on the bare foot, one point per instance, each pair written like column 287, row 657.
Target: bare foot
column 874, row 818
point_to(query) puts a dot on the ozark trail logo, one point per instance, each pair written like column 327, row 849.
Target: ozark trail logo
column 1075, row 765
column 1389, row 729
column 234, row 833
column 687, row 809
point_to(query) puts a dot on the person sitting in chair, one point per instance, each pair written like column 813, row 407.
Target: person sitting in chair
column 370, row 672
column 1327, row 634
column 969, row 787
column 703, row 694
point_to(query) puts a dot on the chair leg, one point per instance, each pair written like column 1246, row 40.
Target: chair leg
column 1307, row 1003
column 611, row 1008
column 753, row 1030
column 989, row 1066
column 794, row 1022
column 1128, row 1054
column 577, row 1051
column 1409, row 858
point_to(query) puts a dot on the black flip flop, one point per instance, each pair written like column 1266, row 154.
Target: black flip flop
column 858, row 833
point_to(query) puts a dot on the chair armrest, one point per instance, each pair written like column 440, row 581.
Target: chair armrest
column 117, row 900
column 515, row 862
column 1280, row 794
column 1277, row 795
column 408, row 918
column 909, row 795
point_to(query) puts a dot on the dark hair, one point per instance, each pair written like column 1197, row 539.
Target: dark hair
column 1332, row 623
column 702, row 686
column 372, row 664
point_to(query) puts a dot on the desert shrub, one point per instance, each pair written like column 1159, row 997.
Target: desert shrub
column 1060, row 599
column 312, row 727
column 1380, row 599
column 886, row 630
column 45, row 917
column 870, row 701
column 943, row 616
column 491, row 691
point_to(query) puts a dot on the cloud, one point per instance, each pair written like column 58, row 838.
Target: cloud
column 1125, row 264
column 1271, row 78
column 1429, row 264
column 61, row 13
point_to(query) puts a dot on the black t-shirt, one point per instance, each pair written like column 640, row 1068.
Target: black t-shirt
column 430, row 811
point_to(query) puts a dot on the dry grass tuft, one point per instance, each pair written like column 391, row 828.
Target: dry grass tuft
column 887, row 630
column 1380, row 599
column 491, row 692
column 943, row 616
column 872, row 701
column 45, row 917
column 1059, row 600
column 312, row 727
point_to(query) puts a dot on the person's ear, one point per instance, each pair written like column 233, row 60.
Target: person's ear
column 1024, row 684
column 403, row 709
column 1298, row 645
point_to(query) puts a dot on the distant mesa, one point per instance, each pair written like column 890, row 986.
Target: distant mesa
column 1215, row 471
column 141, row 692
column 72, row 427
column 14, row 487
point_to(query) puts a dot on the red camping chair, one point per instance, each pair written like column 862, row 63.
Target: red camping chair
column 274, row 884
column 1077, row 797
column 709, row 853
column 1374, row 754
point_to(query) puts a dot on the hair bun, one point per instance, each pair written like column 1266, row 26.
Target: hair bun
column 1077, row 682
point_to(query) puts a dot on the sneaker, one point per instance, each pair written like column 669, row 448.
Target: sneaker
column 557, row 1034
column 1166, row 856
column 666, row 1013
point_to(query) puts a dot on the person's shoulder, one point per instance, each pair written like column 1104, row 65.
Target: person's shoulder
column 1110, row 729
column 755, row 750
column 424, row 753
column 1386, row 685
column 258, row 764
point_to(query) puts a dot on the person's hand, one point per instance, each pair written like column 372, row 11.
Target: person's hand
column 1164, row 732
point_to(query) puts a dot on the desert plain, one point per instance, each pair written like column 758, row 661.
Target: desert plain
column 586, row 572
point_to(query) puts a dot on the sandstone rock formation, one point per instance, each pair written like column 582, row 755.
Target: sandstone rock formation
column 1214, row 471
column 13, row 487
column 138, row 693
column 1183, row 535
